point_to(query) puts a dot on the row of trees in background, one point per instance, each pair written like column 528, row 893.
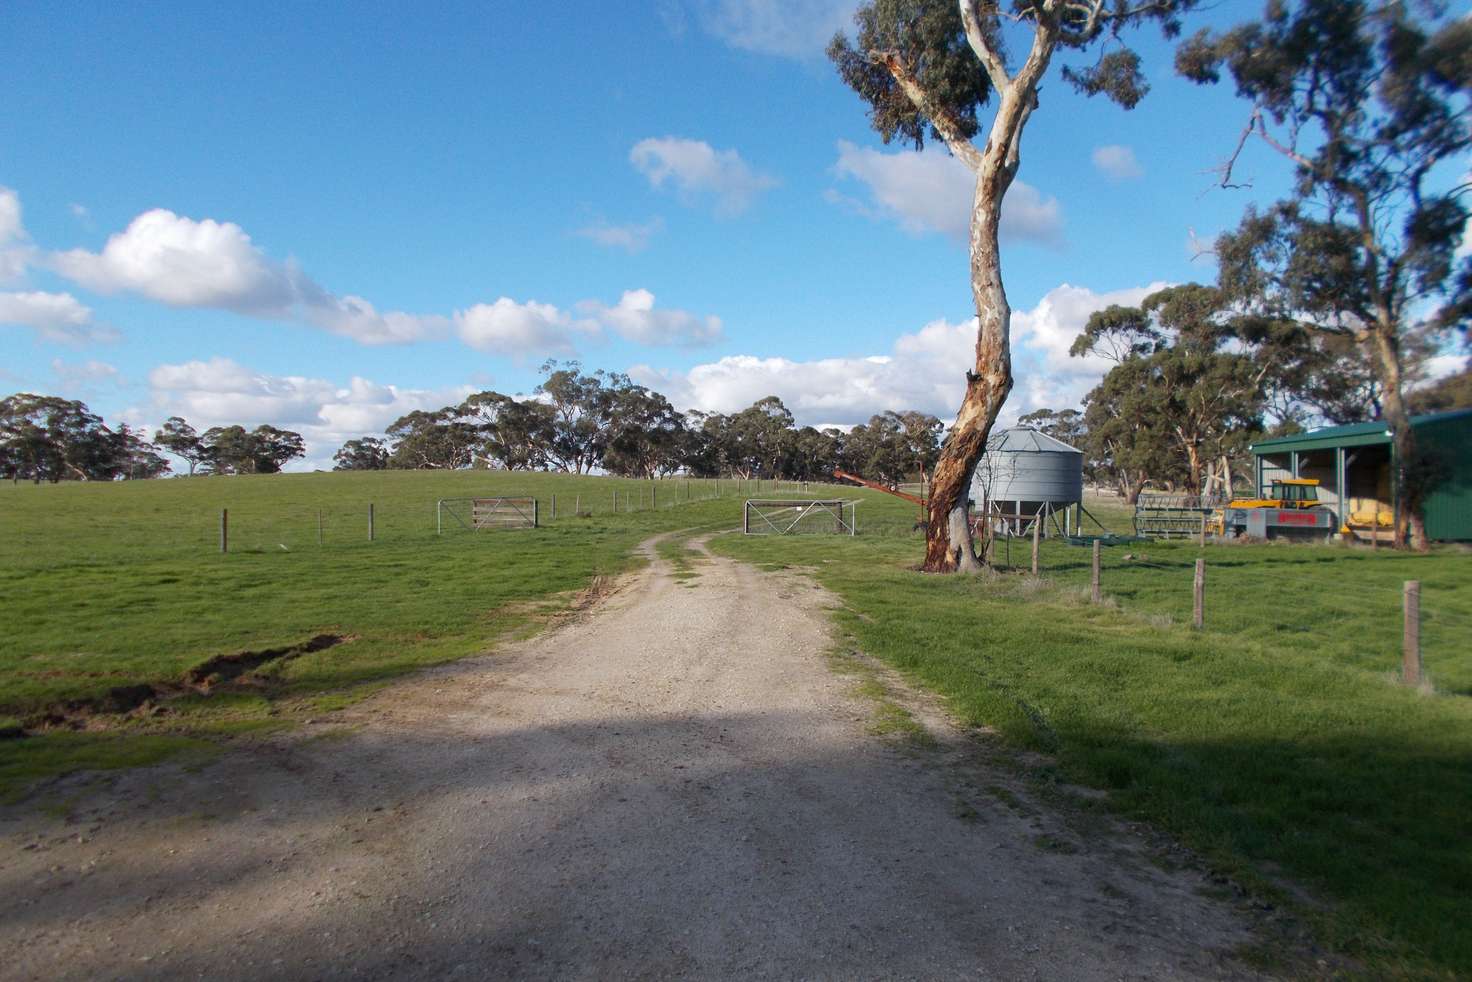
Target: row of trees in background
column 579, row 422
column 48, row 438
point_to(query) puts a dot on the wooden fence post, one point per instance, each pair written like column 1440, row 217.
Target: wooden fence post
column 554, row 507
column 1037, row 528
column 1097, row 595
column 577, row 505
column 370, row 521
column 1411, row 638
column 653, row 495
column 615, row 502
column 224, row 529
column 1198, row 607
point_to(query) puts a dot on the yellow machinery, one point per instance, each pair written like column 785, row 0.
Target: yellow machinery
column 1292, row 508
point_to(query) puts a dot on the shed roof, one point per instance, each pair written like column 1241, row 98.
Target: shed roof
column 1349, row 435
column 1025, row 439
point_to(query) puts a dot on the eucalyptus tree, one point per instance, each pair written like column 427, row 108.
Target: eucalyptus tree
column 1369, row 103
column 926, row 67
column 1183, row 377
column 364, row 454
column 177, row 437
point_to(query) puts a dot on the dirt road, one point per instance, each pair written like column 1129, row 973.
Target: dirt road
column 674, row 784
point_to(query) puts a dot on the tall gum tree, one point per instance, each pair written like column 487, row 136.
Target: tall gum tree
column 925, row 67
column 1370, row 103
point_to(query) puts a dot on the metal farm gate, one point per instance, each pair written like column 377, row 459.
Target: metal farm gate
column 788, row 517
column 477, row 514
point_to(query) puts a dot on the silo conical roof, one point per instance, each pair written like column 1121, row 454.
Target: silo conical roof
column 1024, row 439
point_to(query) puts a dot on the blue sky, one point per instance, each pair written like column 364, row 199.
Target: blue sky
column 321, row 216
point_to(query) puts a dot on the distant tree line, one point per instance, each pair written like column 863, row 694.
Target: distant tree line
column 578, row 422
column 47, row 438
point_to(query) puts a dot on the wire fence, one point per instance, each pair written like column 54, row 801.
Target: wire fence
column 1351, row 606
column 68, row 524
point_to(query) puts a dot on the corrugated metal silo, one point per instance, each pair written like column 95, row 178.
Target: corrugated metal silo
column 1026, row 473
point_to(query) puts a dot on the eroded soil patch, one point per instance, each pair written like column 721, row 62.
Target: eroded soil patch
column 146, row 699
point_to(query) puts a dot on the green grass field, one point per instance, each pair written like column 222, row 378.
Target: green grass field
column 116, row 585
column 1276, row 741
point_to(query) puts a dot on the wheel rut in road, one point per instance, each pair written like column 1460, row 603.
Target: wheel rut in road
column 672, row 783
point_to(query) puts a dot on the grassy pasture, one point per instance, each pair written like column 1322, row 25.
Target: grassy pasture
column 119, row 584
column 1276, row 741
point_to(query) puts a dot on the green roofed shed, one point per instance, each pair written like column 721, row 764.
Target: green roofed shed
column 1353, row 464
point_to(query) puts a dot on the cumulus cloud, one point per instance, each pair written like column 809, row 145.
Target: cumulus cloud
column 924, row 369
column 697, row 170
column 635, row 319
column 630, row 238
column 1117, row 162
column 57, row 317
column 790, row 28
column 183, row 262
column 221, row 392
column 78, row 377
column 931, row 191
column 16, row 251
column 510, row 328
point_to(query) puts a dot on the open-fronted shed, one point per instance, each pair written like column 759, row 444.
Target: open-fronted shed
column 1353, row 465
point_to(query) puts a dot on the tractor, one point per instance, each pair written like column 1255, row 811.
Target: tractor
column 1291, row 510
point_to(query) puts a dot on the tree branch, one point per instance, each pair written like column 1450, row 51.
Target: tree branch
column 990, row 60
column 945, row 124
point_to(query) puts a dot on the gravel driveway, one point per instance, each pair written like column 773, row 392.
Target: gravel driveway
column 674, row 783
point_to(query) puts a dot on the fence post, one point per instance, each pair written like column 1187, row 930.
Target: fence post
column 1037, row 526
column 746, row 519
column 370, row 521
column 1098, row 596
column 554, row 508
column 1198, row 607
column 535, row 523
column 577, row 505
column 439, row 517
column 1411, row 639
column 224, row 529
column 653, row 495
column 615, row 502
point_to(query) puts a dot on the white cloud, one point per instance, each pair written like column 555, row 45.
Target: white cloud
column 791, row 28
column 635, row 319
column 88, row 374
column 630, row 238
column 931, row 191
column 1117, row 162
column 510, row 328
column 183, row 262
column 221, row 392
column 16, row 251
column 923, row 370
column 186, row 263
column 696, row 169
column 56, row 317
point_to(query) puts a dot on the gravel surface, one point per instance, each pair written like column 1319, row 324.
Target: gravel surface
column 674, row 783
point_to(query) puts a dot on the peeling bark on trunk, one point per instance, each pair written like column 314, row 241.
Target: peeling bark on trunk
column 948, row 545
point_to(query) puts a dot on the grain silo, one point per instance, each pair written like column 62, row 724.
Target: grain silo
column 1026, row 475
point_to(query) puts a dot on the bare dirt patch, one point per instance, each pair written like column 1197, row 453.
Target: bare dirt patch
column 151, row 698
column 674, row 783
